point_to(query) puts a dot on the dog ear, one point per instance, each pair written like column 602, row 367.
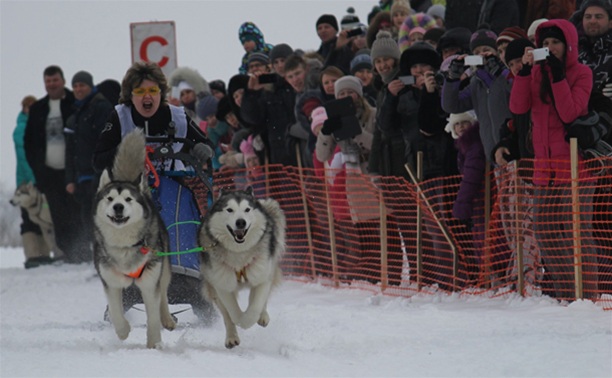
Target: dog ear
column 105, row 179
column 249, row 190
column 142, row 183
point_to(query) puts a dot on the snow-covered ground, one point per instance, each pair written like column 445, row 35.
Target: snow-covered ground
column 51, row 325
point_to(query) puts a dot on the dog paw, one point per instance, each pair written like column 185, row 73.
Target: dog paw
column 169, row 323
column 264, row 319
column 154, row 344
column 122, row 330
column 231, row 342
column 247, row 320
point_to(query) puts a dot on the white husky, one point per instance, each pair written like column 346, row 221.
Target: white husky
column 128, row 231
column 242, row 239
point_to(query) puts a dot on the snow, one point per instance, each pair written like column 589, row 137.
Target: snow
column 51, row 325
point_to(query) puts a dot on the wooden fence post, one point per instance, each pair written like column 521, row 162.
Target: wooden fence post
column 576, row 219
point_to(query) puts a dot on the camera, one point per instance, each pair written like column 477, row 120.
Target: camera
column 473, row 60
column 407, row 80
column 540, row 54
column 355, row 32
column 268, row 78
column 439, row 77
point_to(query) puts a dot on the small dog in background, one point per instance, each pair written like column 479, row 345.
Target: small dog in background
column 37, row 248
column 243, row 239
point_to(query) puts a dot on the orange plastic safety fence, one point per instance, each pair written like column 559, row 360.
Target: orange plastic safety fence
column 389, row 235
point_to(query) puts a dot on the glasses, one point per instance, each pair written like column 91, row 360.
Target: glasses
column 143, row 91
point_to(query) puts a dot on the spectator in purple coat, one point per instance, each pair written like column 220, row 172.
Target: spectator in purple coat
column 469, row 205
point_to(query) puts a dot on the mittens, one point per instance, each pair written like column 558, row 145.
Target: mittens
column 202, row 152
column 456, row 69
column 556, row 68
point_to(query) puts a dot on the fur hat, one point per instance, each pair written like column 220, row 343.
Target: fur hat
column 400, row 5
column 384, row 46
column 436, row 10
column 281, row 50
column 456, row 118
column 550, row 32
column 349, row 21
column 413, row 21
column 192, row 77
column 510, row 34
column 258, row 56
column 348, row 82
column 206, row 106
column 318, row 115
column 237, row 82
column 516, row 49
column 433, row 34
column 83, row 77
column 361, row 60
column 419, row 52
column 483, row 37
column 534, row 26
column 328, row 19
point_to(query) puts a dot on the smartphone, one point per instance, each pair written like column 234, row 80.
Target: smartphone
column 473, row 60
column 355, row 32
column 268, row 78
column 407, row 80
column 540, row 54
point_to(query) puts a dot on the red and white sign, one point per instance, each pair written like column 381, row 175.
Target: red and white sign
column 155, row 42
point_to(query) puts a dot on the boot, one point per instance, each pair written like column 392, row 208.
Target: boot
column 34, row 255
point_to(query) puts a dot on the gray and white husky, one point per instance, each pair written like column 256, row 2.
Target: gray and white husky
column 243, row 239
column 128, row 231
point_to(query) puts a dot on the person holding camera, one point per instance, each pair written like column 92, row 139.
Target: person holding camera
column 556, row 90
column 488, row 92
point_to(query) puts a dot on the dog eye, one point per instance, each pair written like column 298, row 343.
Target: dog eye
column 248, row 209
column 109, row 199
column 128, row 199
column 229, row 210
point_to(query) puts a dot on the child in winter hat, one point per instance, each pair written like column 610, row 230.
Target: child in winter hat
column 207, row 107
column 415, row 20
column 248, row 153
column 437, row 12
column 454, row 123
column 483, row 37
column 362, row 60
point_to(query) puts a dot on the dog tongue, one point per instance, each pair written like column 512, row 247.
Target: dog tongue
column 240, row 233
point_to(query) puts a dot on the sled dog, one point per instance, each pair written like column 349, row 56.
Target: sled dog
column 35, row 203
column 128, row 232
column 242, row 240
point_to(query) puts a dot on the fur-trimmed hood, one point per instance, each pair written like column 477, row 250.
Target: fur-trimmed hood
column 192, row 77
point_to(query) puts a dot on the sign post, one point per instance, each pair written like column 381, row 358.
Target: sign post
column 155, row 42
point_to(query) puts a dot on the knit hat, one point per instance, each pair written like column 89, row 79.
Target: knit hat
column 318, row 115
column 400, row 5
column 361, row 60
column 348, row 82
column 83, row 77
column 455, row 37
column 433, row 34
column 436, row 10
column 328, row 19
column 550, row 32
column 350, row 21
column 419, row 52
column 418, row 29
column 217, row 85
column 413, row 21
column 483, row 37
column 183, row 85
column 384, row 46
column 534, row 26
column 258, row 56
column 510, row 34
column 516, row 49
column 224, row 107
column 206, row 106
column 282, row 50
column 456, row 118
column 246, row 147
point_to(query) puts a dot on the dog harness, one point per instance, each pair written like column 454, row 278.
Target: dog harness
column 138, row 272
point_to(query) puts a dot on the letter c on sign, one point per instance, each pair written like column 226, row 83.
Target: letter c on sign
column 145, row 45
